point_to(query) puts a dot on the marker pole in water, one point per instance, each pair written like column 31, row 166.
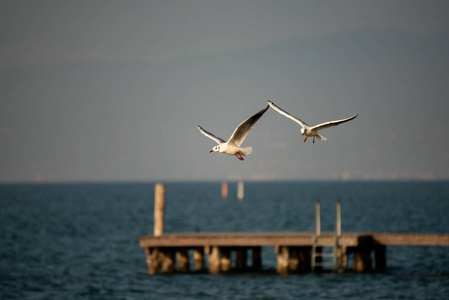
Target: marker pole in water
column 224, row 189
column 240, row 192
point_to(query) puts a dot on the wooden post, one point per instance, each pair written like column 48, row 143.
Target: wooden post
column 293, row 259
column 159, row 209
column 380, row 256
column 317, row 218
column 153, row 260
column 198, row 259
column 282, row 260
column 214, row 260
column 342, row 259
column 240, row 258
column 257, row 257
column 338, row 218
column 224, row 189
column 225, row 260
column 340, row 250
column 362, row 261
column 182, row 259
column 304, row 257
column 167, row 261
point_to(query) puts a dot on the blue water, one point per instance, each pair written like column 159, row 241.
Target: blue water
column 80, row 241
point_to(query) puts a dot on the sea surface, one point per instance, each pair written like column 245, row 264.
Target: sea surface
column 80, row 241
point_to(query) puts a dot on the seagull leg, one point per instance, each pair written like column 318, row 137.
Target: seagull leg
column 314, row 140
column 239, row 156
column 305, row 139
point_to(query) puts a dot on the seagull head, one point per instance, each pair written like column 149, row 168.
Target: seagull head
column 215, row 149
column 303, row 131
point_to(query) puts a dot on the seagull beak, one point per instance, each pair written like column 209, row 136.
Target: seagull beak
column 211, row 151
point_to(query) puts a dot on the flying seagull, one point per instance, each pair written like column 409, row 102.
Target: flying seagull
column 310, row 131
column 232, row 146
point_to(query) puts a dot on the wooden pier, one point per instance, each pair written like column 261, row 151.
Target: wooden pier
column 170, row 252
column 296, row 251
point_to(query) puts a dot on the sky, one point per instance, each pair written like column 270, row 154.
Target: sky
column 114, row 90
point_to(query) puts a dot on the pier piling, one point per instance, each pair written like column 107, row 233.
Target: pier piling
column 380, row 257
column 214, row 260
column 198, row 259
column 240, row 258
column 257, row 257
column 182, row 259
column 362, row 261
column 225, row 259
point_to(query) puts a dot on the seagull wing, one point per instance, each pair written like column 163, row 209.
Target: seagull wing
column 210, row 135
column 243, row 129
column 332, row 123
column 283, row 112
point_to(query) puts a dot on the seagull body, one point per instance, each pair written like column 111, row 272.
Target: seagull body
column 310, row 131
column 232, row 146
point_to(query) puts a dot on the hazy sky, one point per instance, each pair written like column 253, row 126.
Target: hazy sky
column 113, row 90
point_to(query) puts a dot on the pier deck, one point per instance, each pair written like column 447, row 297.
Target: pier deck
column 246, row 239
column 294, row 249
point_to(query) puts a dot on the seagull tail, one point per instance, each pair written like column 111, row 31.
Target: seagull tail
column 322, row 138
column 246, row 151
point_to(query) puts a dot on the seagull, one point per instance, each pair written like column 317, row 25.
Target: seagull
column 232, row 146
column 310, row 131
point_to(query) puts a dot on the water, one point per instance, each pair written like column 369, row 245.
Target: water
column 80, row 241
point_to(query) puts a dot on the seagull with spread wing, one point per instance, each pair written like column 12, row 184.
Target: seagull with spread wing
column 232, row 146
column 310, row 131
